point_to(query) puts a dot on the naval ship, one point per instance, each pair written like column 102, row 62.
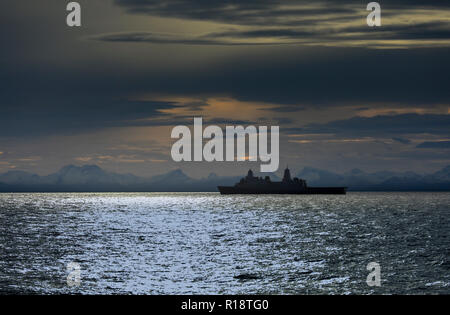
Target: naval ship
column 257, row 185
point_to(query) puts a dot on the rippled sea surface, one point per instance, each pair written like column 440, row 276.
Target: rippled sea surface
column 205, row 243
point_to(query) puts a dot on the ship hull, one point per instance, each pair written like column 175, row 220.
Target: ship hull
column 231, row 190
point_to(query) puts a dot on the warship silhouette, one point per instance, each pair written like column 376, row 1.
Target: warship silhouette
column 257, row 185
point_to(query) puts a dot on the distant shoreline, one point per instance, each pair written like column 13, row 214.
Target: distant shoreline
column 92, row 178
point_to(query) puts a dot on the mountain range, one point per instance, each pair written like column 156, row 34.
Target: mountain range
column 92, row 178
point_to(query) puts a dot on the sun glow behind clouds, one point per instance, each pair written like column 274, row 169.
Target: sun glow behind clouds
column 214, row 108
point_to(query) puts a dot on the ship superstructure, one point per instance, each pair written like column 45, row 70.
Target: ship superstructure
column 257, row 185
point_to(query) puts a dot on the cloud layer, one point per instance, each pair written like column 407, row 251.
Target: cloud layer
column 406, row 24
column 110, row 91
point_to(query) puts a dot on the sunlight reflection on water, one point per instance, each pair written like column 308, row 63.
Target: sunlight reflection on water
column 155, row 243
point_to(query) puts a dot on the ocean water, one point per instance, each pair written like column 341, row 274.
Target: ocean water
column 205, row 243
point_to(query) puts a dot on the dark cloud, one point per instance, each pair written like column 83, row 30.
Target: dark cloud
column 292, row 22
column 285, row 36
column 49, row 99
column 434, row 145
column 158, row 38
column 428, row 30
column 67, row 117
column 401, row 140
column 264, row 22
column 246, row 12
column 259, row 12
column 75, row 86
column 381, row 126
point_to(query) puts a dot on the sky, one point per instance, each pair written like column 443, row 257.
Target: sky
column 345, row 95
